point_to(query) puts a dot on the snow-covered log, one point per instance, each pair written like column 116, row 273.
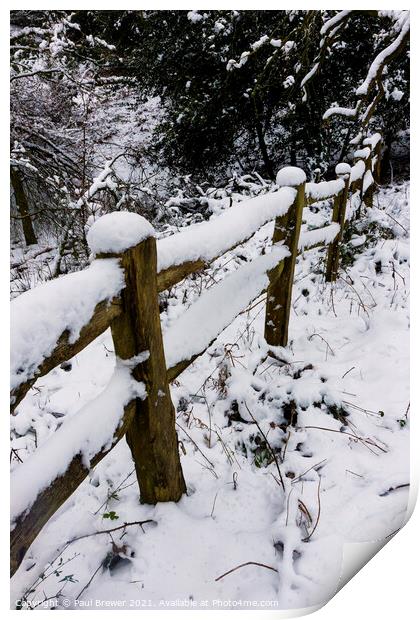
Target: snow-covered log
column 56, row 320
column 195, row 247
column 323, row 190
column 194, row 331
column 43, row 482
column 343, row 171
column 362, row 153
column 319, row 236
column 357, row 171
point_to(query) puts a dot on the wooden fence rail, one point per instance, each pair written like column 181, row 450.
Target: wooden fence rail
column 145, row 414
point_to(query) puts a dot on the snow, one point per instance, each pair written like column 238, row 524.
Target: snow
column 41, row 315
column 87, row 433
column 206, row 241
column 324, row 189
column 368, row 180
column 342, row 169
column 290, row 176
column 216, row 308
column 118, row 231
column 260, row 42
column 331, row 23
column 232, row 64
column 349, row 346
column 373, row 140
column 310, row 74
column 100, row 182
column 397, row 94
column 362, row 153
column 289, row 81
column 349, row 112
column 357, row 171
column 289, row 45
column 326, row 235
column 357, row 138
column 194, row 16
column 376, row 66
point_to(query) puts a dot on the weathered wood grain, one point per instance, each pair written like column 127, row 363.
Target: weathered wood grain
column 279, row 293
column 339, row 215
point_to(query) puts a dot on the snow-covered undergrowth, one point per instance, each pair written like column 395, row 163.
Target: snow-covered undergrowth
column 283, row 461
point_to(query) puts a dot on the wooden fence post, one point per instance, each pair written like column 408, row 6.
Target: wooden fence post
column 358, row 186
column 339, row 216
column 287, row 229
column 367, row 196
column 377, row 162
column 151, row 435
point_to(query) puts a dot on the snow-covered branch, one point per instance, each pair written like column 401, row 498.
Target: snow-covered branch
column 384, row 57
column 374, row 75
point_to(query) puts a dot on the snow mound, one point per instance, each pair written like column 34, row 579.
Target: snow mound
column 116, row 232
column 362, row 153
column 372, row 141
column 324, row 189
column 326, row 235
column 290, row 176
column 342, row 168
column 357, row 171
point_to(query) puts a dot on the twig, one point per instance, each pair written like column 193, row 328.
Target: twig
column 398, row 486
column 268, row 446
column 118, row 488
column 396, row 221
column 357, row 437
column 308, row 470
column 349, row 370
column 367, row 411
column 89, row 582
column 214, row 503
column 192, row 440
column 113, row 529
column 323, row 339
column 257, row 303
column 246, row 564
column 319, row 512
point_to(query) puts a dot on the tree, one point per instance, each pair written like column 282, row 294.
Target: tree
column 250, row 89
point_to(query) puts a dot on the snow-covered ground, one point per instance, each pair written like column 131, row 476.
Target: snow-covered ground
column 283, row 462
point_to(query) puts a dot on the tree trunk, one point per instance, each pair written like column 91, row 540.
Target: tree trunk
column 22, row 206
column 261, row 141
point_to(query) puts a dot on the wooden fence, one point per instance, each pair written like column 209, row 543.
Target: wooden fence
column 148, row 420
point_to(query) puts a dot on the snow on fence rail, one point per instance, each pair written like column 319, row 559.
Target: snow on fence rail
column 53, row 322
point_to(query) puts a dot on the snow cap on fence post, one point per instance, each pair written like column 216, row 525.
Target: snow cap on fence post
column 342, row 169
column 116, row 232
column 290, row 176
